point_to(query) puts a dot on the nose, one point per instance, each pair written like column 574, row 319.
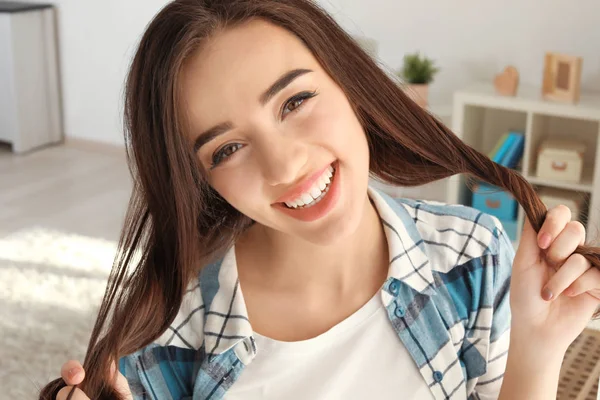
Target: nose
column 282, row 160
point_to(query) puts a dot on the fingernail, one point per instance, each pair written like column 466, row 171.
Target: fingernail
column 73, row 372
column 547, row 294
column 544, row 240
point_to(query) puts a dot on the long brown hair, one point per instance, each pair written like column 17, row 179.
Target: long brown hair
column 176, row 223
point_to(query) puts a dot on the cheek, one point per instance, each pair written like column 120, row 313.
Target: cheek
column 335, row 125
column 239, row 187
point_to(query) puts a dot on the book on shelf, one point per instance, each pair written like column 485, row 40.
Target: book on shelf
column 509, row 149
column 499, row 143
column 506, row 143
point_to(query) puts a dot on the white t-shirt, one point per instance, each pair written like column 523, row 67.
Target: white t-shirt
column 360, row 358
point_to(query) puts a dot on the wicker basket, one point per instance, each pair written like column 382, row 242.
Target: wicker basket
column 581, row 368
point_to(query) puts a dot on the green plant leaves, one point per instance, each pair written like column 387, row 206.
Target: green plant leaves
column 418, row 69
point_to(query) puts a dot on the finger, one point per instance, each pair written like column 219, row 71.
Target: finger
column 528, row 251
column 72, row 372
column 78, row 394
column 566, row 242
column 574, row 268
column 555, row 221
column 586, row 282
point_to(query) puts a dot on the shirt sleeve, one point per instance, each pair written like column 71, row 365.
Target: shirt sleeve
column 488, row 385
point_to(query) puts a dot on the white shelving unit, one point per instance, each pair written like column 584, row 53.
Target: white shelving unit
column 480, row 117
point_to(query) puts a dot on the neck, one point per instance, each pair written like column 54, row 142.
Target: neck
column 282, row 262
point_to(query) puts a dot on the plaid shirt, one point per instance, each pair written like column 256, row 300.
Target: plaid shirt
column 446, row 295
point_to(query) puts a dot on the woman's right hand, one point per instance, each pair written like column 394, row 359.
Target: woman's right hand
column 73, row 374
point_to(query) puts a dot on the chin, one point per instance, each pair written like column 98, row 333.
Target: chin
column 337, row 228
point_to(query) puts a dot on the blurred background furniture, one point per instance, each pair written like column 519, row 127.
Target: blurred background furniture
column 481, row 116
column 30, row 111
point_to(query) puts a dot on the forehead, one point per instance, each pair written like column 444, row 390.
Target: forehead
column 238, row 64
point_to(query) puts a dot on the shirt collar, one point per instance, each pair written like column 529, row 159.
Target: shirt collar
column 409, row 262
column 226, row 319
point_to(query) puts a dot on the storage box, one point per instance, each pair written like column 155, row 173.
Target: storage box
column 494, row 201
column 560, row 160
column 554, row 197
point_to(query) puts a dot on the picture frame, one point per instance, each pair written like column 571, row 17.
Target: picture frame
column 562, row 77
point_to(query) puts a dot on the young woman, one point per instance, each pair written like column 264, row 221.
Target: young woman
column 257, row 263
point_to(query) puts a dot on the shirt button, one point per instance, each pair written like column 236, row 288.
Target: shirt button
column 438, row 376
column 394, row 287
column 399, row 312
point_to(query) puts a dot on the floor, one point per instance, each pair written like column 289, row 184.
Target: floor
column 73, row 189
column 61, row 210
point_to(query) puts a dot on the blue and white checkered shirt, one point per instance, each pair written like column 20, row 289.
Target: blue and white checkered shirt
column 447, row 297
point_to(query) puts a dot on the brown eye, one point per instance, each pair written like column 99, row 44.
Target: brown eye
column 224, row 152
column 294, row 103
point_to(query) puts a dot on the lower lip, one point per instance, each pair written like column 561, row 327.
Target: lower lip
column 320, row 209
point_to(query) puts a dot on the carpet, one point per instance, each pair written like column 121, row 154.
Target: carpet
column 51, row 285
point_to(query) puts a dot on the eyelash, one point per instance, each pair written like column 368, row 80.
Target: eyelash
column 219, row 155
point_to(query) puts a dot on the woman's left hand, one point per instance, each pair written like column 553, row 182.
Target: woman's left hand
column 554, row 292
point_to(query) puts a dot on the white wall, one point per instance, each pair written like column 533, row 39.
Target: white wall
column 97, row 41
column 470, row 39
column 475, row 39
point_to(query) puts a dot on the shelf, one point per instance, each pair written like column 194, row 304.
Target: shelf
column 480, row 117
column 530, row 98
column 584, row 186
column 484, row 126
column 544, row 127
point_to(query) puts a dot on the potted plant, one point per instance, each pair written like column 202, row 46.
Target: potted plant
column 418, row 72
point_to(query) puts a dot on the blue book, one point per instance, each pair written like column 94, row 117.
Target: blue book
column 503, row 149
column 515, row 152
column 498, row 144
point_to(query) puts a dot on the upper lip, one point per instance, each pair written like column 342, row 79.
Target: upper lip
column 301, row 187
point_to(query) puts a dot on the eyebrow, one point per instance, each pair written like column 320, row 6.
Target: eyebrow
column 210, row 134
column 275, row 88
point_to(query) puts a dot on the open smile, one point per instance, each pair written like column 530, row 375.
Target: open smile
column 315, row 197
column 316, row 192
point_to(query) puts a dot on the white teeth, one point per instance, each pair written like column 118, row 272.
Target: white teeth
column 322, row 184
column 306, row 198
column 315, row 192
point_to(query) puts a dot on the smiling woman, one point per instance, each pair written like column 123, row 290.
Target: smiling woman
column 272, row 129
column 271, row 270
